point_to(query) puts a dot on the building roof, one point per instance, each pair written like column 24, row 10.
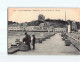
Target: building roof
column 14, row 25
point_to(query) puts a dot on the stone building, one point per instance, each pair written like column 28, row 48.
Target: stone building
column 14, row 27
column 33, row 28
column 46, row 26
column 74, row 26
column 60, row 30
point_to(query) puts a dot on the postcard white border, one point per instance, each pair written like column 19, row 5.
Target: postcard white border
column 4, row 4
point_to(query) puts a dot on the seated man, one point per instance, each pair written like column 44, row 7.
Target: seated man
column 27, row 40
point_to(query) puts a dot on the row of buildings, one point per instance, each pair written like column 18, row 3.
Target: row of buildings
column 41, row 27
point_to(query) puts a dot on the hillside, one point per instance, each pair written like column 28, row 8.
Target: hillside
column 56, row 23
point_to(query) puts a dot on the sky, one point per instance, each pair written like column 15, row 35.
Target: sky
column 29, row 14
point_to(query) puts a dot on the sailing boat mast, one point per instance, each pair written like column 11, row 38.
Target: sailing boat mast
column 65, row 15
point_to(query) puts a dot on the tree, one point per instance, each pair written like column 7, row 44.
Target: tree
column 41, row 17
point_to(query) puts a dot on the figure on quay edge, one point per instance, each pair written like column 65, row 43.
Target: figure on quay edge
column 27, row 40
column 33, row 41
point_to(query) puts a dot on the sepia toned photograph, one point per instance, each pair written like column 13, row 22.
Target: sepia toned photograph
column 43, row 31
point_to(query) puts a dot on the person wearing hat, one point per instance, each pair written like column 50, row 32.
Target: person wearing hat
column 27, row 40
column 33, row 41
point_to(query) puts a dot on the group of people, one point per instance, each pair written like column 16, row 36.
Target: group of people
column 27, row 40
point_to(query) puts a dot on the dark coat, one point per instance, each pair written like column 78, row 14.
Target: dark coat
column 27, row 39
column 34, row 39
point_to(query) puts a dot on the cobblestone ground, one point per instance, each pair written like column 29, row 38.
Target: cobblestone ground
column 53, row 46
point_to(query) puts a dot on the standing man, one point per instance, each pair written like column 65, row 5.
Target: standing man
column 33, row 41
column 27, row 40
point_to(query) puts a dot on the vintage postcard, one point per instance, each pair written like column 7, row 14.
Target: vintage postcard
column 44, row 31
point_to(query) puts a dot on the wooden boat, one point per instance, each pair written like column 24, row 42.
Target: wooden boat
column 18, row 46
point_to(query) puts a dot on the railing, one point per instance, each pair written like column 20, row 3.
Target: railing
column 74, row 38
